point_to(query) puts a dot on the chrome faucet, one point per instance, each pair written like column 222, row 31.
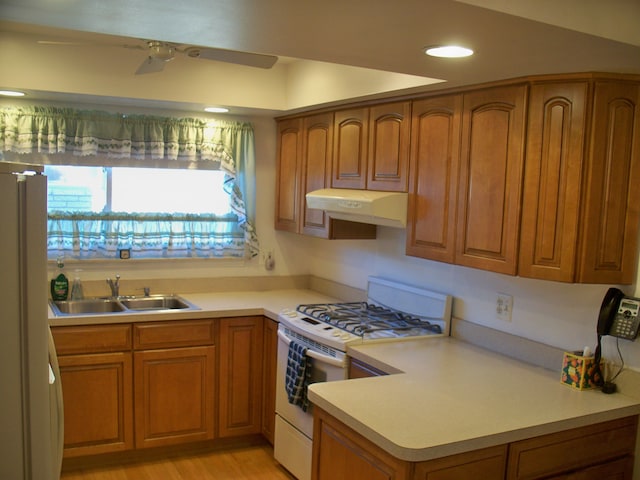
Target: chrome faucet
column 115, row 286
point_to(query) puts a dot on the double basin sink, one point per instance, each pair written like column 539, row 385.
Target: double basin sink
column 110, row 305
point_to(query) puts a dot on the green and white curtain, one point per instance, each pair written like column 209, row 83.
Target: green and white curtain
column 50, row 135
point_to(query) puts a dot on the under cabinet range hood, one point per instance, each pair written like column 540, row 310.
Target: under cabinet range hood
column 364, row 206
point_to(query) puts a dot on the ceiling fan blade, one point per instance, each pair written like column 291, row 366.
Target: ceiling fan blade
column 232, row 56
column 151, row 65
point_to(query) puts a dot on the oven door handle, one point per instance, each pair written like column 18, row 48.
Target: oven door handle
column 316, row 355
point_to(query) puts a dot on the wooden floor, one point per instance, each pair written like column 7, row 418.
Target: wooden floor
column 245, row 463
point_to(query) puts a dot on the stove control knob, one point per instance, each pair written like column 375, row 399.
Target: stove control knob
column 336, row 333
column 345, row 336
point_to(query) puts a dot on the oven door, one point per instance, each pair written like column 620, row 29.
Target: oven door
column 294, row 427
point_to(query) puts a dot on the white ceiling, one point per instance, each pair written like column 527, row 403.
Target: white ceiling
column 384, row 39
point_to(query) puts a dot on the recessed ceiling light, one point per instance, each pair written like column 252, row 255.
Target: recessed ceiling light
column 12, row 93
column 449, row 51
column 216, row 110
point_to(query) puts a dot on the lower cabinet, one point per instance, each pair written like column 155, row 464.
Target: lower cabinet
column 240, row 376
column 602, row 451
column 269, row 365
column 339, row 452
column 98, row 408
column 174, row 395
column 96, row 375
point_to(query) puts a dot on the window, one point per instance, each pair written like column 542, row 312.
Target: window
column 136, row 190
column 97, row 212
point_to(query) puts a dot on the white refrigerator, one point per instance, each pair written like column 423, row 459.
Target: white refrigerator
column 30, row 393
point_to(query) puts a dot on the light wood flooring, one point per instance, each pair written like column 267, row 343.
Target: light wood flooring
column 244, row 463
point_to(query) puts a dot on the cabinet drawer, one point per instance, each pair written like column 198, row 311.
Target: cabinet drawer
column 182, row 333
column 92, row 339
column 572, row 449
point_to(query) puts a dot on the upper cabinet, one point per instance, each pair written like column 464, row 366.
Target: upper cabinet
column 466, row 170
column 304, row 157
column 433, row 184
column 611, row 207
column 532, row 177
column 289, row 158
column 580, row 210
column 371, row 147
column 491, row 162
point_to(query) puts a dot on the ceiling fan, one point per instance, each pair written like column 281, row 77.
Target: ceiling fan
column 159, row 53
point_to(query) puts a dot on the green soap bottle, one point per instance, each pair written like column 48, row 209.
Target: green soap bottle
column 60, row 284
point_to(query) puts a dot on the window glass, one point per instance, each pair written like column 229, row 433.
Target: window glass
column 136, row 190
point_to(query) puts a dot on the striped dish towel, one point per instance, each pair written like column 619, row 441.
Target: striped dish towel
column 298, row 375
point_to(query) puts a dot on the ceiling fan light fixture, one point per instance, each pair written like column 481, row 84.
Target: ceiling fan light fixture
column 161, row 51
column 448, row 51
column 216, row 109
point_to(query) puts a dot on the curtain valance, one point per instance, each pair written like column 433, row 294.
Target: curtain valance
column 53, row 130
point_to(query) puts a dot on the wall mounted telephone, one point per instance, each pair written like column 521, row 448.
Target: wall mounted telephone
column 619, row 315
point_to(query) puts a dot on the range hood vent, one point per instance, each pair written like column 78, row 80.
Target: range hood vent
column 364, row 206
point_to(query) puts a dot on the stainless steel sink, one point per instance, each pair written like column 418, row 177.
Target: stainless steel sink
column 156, row 302
column 87, row 306
column 110, row 306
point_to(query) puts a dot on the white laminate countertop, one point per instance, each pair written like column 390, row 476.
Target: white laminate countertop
column 444, row 396
column 211, row 305
column 455, row 397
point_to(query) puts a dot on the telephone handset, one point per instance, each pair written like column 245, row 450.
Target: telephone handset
column 619, row 315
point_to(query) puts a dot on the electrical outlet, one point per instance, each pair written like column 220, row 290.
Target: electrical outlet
column 504, row 305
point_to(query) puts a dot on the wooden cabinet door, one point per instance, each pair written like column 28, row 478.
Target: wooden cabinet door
column 621, row 469
column 288, row 157
column 485, row 464
column 552, row 181
column 388, row 152
column 98, row 403
column 350, row 148
column 240, row 376
column 612, row 198
column 339, row 452
column 316, row 168
column 571, row 450
column 174, row 395
column 269, row 365
column 435, row 154
column 492, row 156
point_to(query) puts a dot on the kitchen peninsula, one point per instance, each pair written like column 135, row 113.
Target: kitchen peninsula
column 453, row 399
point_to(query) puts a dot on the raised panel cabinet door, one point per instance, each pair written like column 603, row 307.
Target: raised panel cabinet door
column 552, row 181
column 339, row 452
column 490, row 189
column 621, row 469
column 316, row 169
column 98, row 403
column 288, row 158
column 269, row 364
column 240, row 376
column 388, row 152
column 435, row 155
column 612, row 197
column 486, row 464
column 351, row 129
column 174, row 395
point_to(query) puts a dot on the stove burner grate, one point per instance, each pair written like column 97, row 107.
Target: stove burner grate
column 362, row 318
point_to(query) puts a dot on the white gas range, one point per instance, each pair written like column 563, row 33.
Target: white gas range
column 393, row 312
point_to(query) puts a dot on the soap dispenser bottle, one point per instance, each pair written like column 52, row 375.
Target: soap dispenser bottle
column 77, row 292
column 60, row 284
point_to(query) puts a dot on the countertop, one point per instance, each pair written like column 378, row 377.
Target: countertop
column 443, row 396
column 454, row 397
column 211, row 305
